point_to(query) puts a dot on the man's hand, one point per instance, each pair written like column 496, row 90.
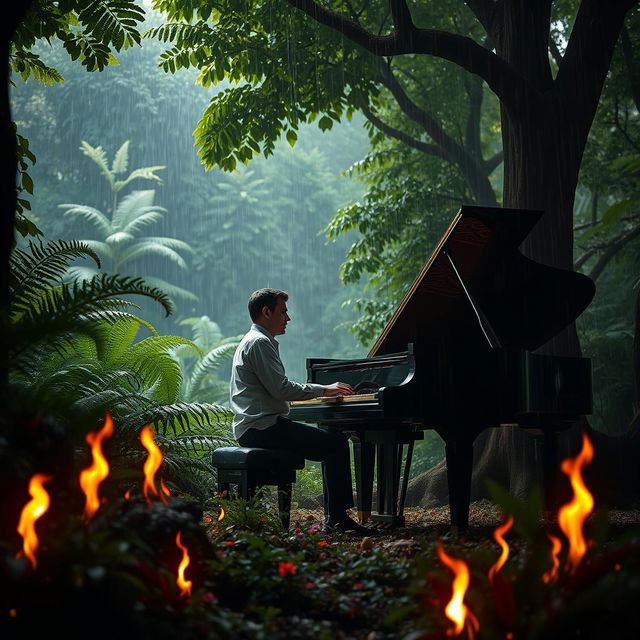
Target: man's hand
column 338, row 389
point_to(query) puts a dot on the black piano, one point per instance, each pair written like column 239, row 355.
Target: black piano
column 458, row 357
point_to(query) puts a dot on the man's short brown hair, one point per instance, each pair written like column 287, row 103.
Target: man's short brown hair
column 265, row 297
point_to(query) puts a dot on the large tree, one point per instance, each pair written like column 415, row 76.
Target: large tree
column 287, row 70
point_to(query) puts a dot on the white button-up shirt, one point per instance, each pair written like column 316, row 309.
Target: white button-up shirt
column 260, row 390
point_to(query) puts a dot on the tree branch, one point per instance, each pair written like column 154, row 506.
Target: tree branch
column 430, row 149
column 484, row 11
column 503, row 80
column 401, row 16
column 613, row 248
column 555, row 52
column 494, row 161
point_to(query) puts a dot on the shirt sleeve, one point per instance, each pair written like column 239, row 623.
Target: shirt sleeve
column 268, row 368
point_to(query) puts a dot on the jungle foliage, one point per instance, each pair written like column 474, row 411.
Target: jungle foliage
column 76, row 354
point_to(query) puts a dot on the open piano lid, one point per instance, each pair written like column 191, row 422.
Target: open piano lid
column 524, row 302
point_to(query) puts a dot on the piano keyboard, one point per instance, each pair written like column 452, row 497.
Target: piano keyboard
column 361, row 397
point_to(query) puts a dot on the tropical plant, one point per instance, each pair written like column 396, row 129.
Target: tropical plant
column 74, row 356
column 201, row 382
column 121, row 226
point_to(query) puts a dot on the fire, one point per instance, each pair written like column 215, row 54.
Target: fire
column 185, row 585
column 572, row 515
column 221, row 515
column 151, row 465
column 93, row 475
column 33, row 510
column 498, row 537
column 552, row 574
column 164, row 488
column 456, row 610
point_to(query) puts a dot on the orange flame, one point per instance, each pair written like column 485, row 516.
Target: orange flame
column 221, row 514
column 498, row 537
column 31, row 511
column 93, row 475
column 127, row 494
column 552, row 575
column 572, row 515
column 456, row 610
column 185, row 585
column 164, row 488
column 152, row 464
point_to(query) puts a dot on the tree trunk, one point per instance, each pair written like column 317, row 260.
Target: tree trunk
column 544, row 135
column 13, row 14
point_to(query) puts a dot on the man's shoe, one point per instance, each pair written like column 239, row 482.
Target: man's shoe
column 348, row 526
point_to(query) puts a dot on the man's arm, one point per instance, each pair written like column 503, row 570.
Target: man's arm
column 269, row 369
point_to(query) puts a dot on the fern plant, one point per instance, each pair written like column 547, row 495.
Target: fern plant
column 75, row 354
column 202, row 381
column 120, row 229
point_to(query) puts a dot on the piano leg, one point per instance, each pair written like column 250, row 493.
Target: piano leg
column 459, row 465
column 364, row 460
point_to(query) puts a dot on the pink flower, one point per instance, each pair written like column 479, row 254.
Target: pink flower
column 314, row 528
column 209, row 597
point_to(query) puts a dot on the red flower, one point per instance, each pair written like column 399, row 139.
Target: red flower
column 309, row 585
column 323, row 543
column 229, row 543
column 287, row 569
column 208, row 520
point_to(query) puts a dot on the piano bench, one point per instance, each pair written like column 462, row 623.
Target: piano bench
column 250, row 468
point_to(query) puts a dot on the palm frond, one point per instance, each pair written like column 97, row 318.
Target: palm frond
column 129, row 207
column 121, row 159
column 91, row 214
column 206, row 332
column 98, row 155
column 145, row 173
column 144, row 219
column 144, row 248
column 118, row 238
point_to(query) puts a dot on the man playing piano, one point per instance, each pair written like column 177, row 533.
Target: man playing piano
column 260, row 395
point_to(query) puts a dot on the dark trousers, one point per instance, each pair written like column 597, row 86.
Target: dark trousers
column 313, row 444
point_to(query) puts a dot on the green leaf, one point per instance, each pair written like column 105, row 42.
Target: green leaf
column 292, row 137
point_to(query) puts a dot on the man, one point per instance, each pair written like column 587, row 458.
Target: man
column 260, row 395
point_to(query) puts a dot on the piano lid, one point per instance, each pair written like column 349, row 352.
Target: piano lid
column 525, row 303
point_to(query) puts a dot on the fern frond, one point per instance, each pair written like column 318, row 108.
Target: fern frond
column 210, row 364
column 80, row 274
column 206, row 332
column 172, row 290
column 191, row 417
column 44, row 265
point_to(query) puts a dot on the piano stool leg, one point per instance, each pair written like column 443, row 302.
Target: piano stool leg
column 381, row 476
column 284, row 504
column 364, row 462
column 459, row 465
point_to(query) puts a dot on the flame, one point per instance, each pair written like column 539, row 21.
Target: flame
column 498, row 537
column 556, row 546
column 221, row 515
column 31, row 511
column 164, row 488
column 456, row 610
column 572, row 515
column 152, row 464
column 93, row 475
column 127, row 494
column 185, row 585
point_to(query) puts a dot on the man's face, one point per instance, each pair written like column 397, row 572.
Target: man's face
column 275, row 322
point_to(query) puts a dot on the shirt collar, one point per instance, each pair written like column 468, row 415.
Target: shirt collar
column 257, row 327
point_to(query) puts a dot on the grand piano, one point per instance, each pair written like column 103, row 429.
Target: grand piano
column 458, row 356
